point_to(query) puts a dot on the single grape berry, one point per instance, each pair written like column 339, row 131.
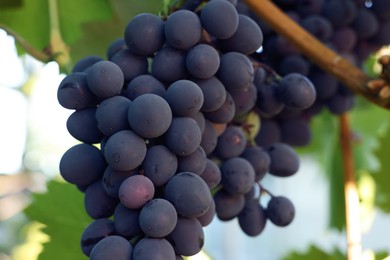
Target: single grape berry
column 280, row 211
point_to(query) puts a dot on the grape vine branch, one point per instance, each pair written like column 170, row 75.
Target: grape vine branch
column 352, row 208
column 351, row 76
column 39, row 55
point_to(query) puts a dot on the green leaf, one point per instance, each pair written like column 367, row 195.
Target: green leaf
column 31, row 21
column 367, row 189
column 315, row 253
column 325, row 149
column 337, row 198
column 87, row 26
column 10, row 3
column 73, row 14
column 61, row 210
column 97, row 35
column 324, row 138
column 382, row 176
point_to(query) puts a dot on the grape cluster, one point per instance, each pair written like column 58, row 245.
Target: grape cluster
column 353, row 28
column 169, row 133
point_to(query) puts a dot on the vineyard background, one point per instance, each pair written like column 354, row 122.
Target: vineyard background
column 33, row 138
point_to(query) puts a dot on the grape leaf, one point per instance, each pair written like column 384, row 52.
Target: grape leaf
column 32, row 22
column 315, row 252
column 97, row 35
column 87, row 26
column 367, row 121
column 336, row 190
column 382, row 176
column 61, row 210
column 10, row 3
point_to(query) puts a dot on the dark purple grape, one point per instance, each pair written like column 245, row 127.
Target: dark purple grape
column 244, row 99
column 194, row 162
column 211, row 174
column 200, row 120
column 97, row 203
column 247, row 39
column 82, row 164
column 94, row 232
column 187, row 238
column 208, row 217
column 131, row 64
column 144, row 34
column 83, row 64
column 324, row 83
column 235, row 71
column 209, row 138
column 189, row 194
column 82, row 125
column 231, row 142
column 190, row 5
column 318, row 26
column 112, row 180
column 111, row 115
column 280, row 211
column 295, row 131
column 124, row 150
column 144, row 84
column 182, row 29
column 269, row 133
column 183, row 136
column 381, row 8
column 228, row 206
column 340, row 13
column 238, row 175
column 158, row 218
column 74, row 93
column 339, row 103
column 115, row 46
column 202, row 61
column 252, row 219
column 219, row 18
column 159, row 164
column 105, row 79
column 382, row 37
column 169, row 65
column 297, row 91
column 267, row 101
column 259, row 159
column 223, row 114
column 214, row 93
column 294, row 64
column 185, row 97
column 136, row 191
column 153, row 248
column 284, row 160
column 366, row 24
column 112, row 247
column 126, row 221
column 309, row 7
column 149, row 115
column 344, row 39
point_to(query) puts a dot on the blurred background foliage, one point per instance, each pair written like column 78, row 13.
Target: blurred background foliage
column 42, row 215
